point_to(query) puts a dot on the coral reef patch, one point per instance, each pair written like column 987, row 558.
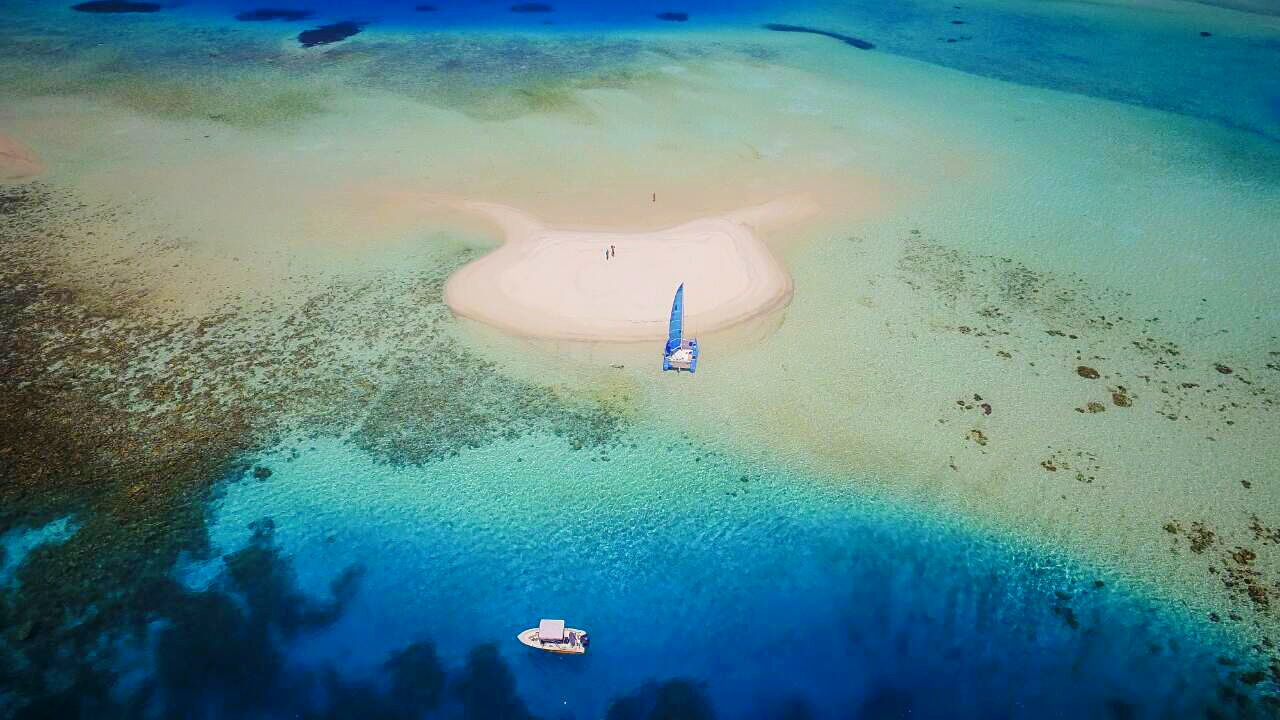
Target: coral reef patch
column 116, row 6
column 269, row 14
column 329, row 34
column 199, row 398
column 846, row 39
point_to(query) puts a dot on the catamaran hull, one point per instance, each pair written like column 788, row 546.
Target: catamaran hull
column 679, row 354
column 691, row 365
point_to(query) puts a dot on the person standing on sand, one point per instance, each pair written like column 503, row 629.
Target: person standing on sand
column 613, row 251
column 606, row 253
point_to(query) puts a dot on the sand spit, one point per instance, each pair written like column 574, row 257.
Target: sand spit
column 17, row 161
column 561, row 284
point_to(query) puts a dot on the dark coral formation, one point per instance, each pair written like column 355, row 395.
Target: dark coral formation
column 116, row 6
column 269, row 14
column 1085, row 325
column 1013, row 313
column 1121, row 397
column 486, row 688
column 846, row 39
column 201, row 397
column 1084, row 463
column 488, row 77
column 1240, row 569
column 673, row 16
column 678, row 698
column 1062, row 608
column 531, row 7
column 1087, row 372
column 329, row 34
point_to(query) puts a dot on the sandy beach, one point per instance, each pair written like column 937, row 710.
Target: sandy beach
column 616, row 286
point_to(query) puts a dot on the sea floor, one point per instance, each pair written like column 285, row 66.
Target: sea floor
column 1008, row 452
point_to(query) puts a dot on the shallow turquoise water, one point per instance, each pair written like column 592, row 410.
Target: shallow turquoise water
column 684, row 564
column 1194, row 60
column 759, row 586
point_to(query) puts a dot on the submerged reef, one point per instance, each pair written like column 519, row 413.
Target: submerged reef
column 1015, row 307
column 1058, row 326
column 486, row 77
column 127, row 420
column 678, row 698
column 268, row 14
column 531, row 7
column 673, row 16
column 328, row 34
column 846, row 39
column 116, row 6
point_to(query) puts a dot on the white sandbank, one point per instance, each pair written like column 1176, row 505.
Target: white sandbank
column 16, row 160
column 557, row 283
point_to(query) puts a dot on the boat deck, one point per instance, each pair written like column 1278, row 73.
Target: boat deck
column 530, row 637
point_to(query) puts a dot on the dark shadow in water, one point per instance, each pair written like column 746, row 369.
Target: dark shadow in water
column 426, row 8
column 531, row 7
column 116, row 6
column 268, row 14
column 886, row 704
column 678, row 699
column 221, row 651
column 846, row 39
column 790, row 709
column 417, row 687
column 326, row 34
column 686, row 699
column 673, row 16
column 486, row 689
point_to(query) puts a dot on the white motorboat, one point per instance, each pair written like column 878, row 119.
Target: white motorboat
column 552, row 636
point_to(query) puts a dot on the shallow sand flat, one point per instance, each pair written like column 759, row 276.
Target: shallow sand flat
column 267, row 212
column 1155, row 264
column 985, row 167
column 562, row 284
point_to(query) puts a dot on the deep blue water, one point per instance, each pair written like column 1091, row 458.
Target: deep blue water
column 762, row 590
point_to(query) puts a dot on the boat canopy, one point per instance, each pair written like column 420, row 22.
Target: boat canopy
column 550, row 630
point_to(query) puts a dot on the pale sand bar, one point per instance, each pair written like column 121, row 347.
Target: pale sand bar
column 557, row 283
column 17, row 161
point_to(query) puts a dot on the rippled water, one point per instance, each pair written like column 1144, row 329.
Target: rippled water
column 762, row 588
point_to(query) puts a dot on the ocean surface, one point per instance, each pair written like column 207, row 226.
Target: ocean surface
column 770, row 594
column 254, row 468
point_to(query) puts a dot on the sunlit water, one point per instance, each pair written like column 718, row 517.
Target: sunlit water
column 774, row 591
column 684, row 564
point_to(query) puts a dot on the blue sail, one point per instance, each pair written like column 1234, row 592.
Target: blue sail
column 677, row 319
column 688, row 359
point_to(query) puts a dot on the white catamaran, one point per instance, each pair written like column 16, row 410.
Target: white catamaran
column 552, row 636
column 680, row 353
